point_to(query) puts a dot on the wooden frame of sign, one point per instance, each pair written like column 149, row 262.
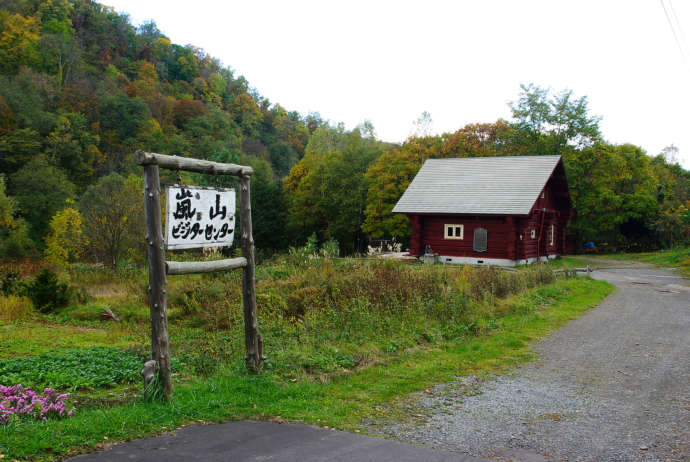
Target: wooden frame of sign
column 159, row 268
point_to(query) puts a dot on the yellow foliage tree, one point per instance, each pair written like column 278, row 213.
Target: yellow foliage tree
column 66, row 241
column 19, row 37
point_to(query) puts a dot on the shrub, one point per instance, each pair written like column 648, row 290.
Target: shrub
column 330, row 249
column 48, row 293
column 11, row 284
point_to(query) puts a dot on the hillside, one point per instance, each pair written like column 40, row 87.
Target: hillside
column 81, row 89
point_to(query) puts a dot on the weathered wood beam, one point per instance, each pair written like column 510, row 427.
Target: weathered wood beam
column 188, row 267
column 254, row 346
column 160, row 346
column 191, row 165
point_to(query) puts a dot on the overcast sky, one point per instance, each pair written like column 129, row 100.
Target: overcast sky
column 462, row 61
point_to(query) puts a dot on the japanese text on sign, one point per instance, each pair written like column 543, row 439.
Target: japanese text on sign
column 199, row 217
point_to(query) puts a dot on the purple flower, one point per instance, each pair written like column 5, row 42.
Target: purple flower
column 17, row 401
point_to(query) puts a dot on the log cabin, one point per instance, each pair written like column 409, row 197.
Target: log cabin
column 503, row 211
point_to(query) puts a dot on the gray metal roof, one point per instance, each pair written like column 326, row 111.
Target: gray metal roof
column 478, row 185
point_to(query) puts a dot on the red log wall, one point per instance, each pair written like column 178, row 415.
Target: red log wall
column 508, row 237
column 498, row 234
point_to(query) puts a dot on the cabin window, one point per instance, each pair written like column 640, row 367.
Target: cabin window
column 552, row 234
column 453, row 231
column 543, row 194
column 533, row 233
column 480, row 240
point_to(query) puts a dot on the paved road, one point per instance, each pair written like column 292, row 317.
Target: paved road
column 613, row 385
column 268, row 441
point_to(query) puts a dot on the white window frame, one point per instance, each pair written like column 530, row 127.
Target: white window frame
column 533, row 233
column 454, row 228
column 551, row 239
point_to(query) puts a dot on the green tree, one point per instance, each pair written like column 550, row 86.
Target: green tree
column 123, row 115
column 73, row 147
column 551, row 123
column 327, row 189
column 14, row 239
column 613, row 194
column 17, row 147
column 268, row 206
column 113, row 213
column 40, row 189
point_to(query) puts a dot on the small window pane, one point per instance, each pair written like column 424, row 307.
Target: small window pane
column 480, row 240
column 450, row 231
column 458, row 231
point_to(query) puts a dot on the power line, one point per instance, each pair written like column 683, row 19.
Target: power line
column 673, row 30
column 683, row 38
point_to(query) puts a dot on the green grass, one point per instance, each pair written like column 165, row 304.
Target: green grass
column 28, row 338
column 677, row 258
column 335, row 395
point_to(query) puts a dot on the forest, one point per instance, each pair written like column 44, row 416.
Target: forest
column 82, row 88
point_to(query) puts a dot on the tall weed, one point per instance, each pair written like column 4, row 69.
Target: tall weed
column 14, row 308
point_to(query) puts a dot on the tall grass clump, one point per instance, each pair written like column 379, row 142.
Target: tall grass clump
column 16, row 308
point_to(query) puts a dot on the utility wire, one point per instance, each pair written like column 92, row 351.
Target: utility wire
column 678, row 24
column 673, row 30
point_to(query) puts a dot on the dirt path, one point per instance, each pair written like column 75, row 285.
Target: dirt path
column 613, row 385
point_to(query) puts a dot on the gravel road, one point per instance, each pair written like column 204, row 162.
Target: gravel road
column 613, row 385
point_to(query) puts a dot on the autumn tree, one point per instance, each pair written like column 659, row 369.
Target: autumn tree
column 66, row 242
column 19, row 38
column 388, row 178
column 112, row 211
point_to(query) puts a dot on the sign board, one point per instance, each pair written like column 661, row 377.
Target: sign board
column 198, row 216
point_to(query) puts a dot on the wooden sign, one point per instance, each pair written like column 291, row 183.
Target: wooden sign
column 188, row 227
column 197, row 217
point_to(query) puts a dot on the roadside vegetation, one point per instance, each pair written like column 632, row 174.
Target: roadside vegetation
column 345, row 337
column 678, row 257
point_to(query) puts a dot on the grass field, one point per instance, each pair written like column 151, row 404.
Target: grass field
column 346, row 339
column 675, row 258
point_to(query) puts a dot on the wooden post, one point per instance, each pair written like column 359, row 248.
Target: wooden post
column 160, row 346
column 253, row 343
